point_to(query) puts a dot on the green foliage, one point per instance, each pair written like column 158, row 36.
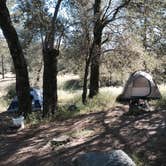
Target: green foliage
column 138, row 161
column 6, row 57
column 73, row 84
column 34, row 118
column 63, row 113
column 11, row 92
column 100, row 102
column 161, row 104
column 115, row 71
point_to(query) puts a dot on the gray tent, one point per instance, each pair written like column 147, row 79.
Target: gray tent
column 140, row 85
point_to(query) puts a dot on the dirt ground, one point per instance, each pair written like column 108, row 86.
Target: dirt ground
column 143, row 135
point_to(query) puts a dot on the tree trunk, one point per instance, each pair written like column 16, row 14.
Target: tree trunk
column 95, row 63
column 100, row 22
column 22, row 79
column 87, row 64
column 145, row 22
column 38, row 77
column 145, row 32
column 94, row 77
column 50, row 81
column 50, row 68
column 96, row 52
column 3, row 70
column 86, row 73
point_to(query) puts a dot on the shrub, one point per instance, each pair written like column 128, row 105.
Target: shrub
column 73, row 84
column 11, row 92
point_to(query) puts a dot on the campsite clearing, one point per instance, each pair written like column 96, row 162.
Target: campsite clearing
column 142, row 137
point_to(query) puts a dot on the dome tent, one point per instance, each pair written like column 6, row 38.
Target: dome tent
column 140, row 85
column 37, row 101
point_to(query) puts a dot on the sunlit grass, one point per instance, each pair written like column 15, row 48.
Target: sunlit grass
column 161, row 104
column 162, row 89
column 104, row 100
column 62, row 79
column 3, row 104
column 65, row 97
column 81, row 133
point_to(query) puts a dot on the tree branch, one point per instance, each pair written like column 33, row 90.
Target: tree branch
column 114, row 13
column 49, row 40
column 106, row 10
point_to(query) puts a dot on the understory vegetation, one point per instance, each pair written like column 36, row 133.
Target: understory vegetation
column 81, row 54
column 70, row 104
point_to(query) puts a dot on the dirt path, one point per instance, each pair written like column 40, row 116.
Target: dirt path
column 143, row 135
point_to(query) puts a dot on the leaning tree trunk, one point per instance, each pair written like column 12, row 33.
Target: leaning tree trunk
column 2, row 63
column 22, row 80
column 86, row 72
column 84, row 93
column 50, row 81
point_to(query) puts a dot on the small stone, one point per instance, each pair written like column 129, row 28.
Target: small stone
column 60, row 140
column 72, row 108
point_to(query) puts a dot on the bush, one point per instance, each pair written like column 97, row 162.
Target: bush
column 73, row 84
column 34, row 118
column 11, row 92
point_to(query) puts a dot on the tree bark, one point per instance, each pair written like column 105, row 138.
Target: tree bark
column 22, row 79
column 95, row 67
column 50, row 82
column 88, row 53
column 50, row 54
column 86, row 73
column 96, row 52
column 100, row 23
column 2, row 63
column 84, row 93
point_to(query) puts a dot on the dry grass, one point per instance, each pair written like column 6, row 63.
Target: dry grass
column 4, row 85
column 105, row 99
column 65, row 97
column 64, row 78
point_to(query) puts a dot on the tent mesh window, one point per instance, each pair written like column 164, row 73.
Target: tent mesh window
column 141, row 87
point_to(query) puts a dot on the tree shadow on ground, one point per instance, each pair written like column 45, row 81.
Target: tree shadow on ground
column 143, row 135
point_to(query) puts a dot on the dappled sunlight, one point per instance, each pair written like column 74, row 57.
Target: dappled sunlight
column 67, row 96
column 101, row 125
column 102, row 131
column 114, row 91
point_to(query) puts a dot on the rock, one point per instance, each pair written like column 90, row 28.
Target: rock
column 72, row 108
column 115, row 158
column 60, row 140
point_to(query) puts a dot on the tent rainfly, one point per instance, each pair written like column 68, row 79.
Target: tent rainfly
column 140, row 85
column 37, row 101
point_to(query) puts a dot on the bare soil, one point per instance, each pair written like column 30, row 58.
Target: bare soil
column 143, row 135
